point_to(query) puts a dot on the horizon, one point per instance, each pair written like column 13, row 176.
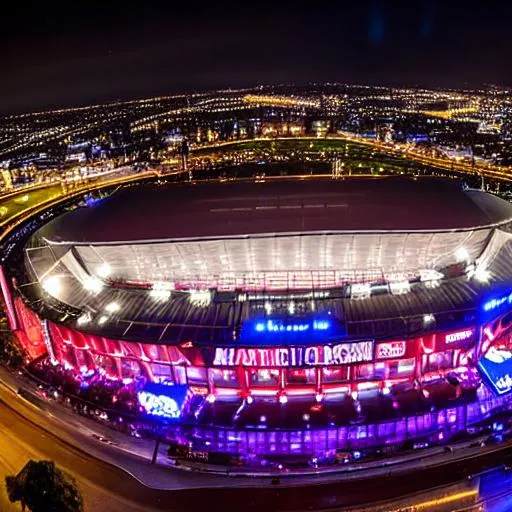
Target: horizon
column 59, row 55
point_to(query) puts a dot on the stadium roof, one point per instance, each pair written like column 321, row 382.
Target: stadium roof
column 241, row 208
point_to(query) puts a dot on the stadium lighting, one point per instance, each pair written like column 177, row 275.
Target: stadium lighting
column 112, row 307
column 482, row 275
column 462, row 255
column 428, row 319
column 433, row 283
column 399, row 287
column 104, row 270
column 479, row 273
column 93, row 284
column 52, row 285
column 161, row 291
column 360, row 291
column 83, row 319
column 200, row 298
column 430, row 275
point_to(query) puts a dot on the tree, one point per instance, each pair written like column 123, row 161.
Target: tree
column 11, row 353
column 42, row 487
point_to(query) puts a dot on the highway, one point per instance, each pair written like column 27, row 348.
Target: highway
column 15, row 204
column 398, row 150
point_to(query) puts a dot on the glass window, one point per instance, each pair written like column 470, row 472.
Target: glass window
column 401, row 368
column 196, row 375
column 82, row 358
column 180, row 375
column 107, row 363
column 162, row 373
column 438, row 361
column 224, row 378
column 264, row 377
column 335, row 374
column 130, row 368
column 301, row 376
column 370, row 371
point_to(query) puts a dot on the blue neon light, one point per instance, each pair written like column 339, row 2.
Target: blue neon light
column 289, row 330
column 163, row 401
column 281, row 326
column 493, row 304
column 496, row 369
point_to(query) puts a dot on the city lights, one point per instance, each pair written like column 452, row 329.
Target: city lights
column 161, row 291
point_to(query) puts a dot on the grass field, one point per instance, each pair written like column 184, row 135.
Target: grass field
column 14, row 205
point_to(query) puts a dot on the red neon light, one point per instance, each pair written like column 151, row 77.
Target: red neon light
column 6, row 293
column 30, row 332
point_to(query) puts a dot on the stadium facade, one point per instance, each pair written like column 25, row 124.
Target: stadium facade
column 288, row 320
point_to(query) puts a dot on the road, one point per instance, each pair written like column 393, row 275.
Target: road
column 397, row 150
column 15, row 204
column 27, row 432
column 104, row 487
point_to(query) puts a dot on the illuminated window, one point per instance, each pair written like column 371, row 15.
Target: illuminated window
column 180, row 375
column 438, row 361
column 401, row 368
column 335, row 374
column 162, row 373
column 107, row 363
column 224, row 378
column 370, row 371
column 196, row 375
column 130, row 368
column 264, row 377
column 83, row 358
column 301, row 376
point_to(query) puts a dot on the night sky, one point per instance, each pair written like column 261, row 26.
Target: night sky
column 57, row 54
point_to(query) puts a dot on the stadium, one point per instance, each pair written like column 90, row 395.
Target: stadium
column 287, row 321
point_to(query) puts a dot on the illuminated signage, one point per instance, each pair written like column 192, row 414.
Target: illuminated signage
column 463, row 335
column 281, row 326
column 162, row 400
column 285, row 357
column 273, row 330
column 496, row 369
column 390, row 350
column 492, row 304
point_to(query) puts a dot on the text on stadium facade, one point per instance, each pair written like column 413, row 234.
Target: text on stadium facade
column 497, row 302
column 284, row 357
column 390, row 349
column 459, row 336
